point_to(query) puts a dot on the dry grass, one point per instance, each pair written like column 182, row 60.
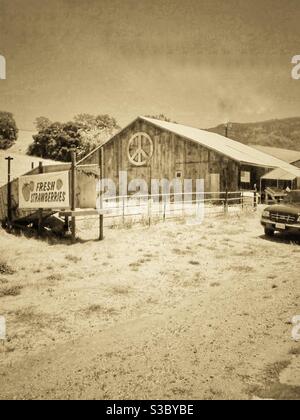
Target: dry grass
column 3, row 281
column 31, row 317
column 242, row 269
column 26, row 315
column 215, row 284
column 10, row 291
column 177, row 305
column 73, row 258
column 54, row 278
column 194, row 262
column 97, row 309
column 120, row 290
column 6, row 269
column 272, row 388
column 295, row 351
column 273, row 370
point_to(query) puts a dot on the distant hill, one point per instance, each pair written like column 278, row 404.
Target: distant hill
column 283, row 133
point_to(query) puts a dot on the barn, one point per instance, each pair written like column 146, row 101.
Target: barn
column 153, row 149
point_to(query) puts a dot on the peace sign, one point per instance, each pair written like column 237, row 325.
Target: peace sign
column 140, row 149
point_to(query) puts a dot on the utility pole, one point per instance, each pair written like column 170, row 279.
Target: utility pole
column 9, row 208
column 227, row 127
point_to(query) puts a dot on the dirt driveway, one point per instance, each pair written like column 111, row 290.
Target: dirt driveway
column 168, row 312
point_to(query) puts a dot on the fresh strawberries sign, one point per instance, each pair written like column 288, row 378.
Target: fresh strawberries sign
column 47, row 191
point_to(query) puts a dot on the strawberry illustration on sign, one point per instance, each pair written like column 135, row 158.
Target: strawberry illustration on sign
column 27, row 189
column 59, row 184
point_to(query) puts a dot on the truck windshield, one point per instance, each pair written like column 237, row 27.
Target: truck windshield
column 293, row 197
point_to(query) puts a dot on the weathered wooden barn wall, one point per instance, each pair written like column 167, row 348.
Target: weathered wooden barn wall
column 171, row 154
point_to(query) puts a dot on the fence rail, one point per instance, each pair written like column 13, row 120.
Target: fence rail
column 147, row 208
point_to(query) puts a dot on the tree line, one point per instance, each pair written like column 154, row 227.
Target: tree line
column 55, row 140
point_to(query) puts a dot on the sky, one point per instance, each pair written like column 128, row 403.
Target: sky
column 200, row 62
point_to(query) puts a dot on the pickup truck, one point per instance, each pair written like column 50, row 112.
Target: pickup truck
column 284, row 217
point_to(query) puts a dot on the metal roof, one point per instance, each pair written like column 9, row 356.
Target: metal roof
column 230, row 148
column 279, row 174
column 289, row 156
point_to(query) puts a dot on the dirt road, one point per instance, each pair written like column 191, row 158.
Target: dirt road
column 174, row 311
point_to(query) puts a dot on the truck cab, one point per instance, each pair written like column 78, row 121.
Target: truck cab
column 283, row 217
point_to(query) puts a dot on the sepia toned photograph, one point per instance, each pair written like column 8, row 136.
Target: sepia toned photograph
column 149, row 202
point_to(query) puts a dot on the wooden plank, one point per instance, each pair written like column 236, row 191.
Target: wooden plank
column 83, row 212
column 101, row 218
column 73, row 194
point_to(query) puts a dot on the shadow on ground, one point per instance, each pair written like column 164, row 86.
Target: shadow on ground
column 283, row 238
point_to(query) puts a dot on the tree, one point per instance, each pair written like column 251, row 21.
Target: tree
column 85, row 133
column 56, row 141
column 8, row 130
column 95, row 130
column 42, row 123
column 160, row 117
column 100, row 122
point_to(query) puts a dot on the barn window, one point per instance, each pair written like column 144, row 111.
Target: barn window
column 178, row 174
column 246, row 177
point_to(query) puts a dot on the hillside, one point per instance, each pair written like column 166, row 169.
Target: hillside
column 19, row 166
column 282, row 133
column 23, row 142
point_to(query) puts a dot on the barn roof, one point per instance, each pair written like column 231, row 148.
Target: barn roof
column 279, row 174
column 289, row 156
column 230, row 148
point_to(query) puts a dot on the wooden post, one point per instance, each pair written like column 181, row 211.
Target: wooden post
column 9, row 206
column 40, row 220
column 101, row 176
column 255, row 198
column 150, row 210
column 66, row 226
column 123, row 210
column 226, row 201
column 73, row 194
column 260, row 190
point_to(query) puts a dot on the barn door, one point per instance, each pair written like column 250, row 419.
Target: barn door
column 215, row 183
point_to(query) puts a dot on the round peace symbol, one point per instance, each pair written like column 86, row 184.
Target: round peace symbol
column 140, row 149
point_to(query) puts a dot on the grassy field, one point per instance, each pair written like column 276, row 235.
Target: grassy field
column 172, row 311
column 19, row 166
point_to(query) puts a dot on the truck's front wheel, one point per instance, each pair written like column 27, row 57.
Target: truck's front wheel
column 269, row 232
